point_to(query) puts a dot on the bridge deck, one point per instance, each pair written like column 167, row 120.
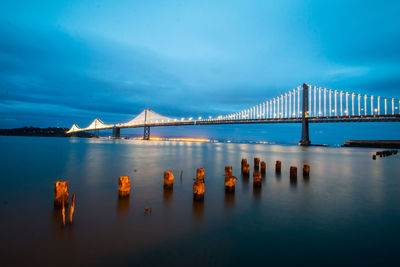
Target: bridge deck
column 329, row 119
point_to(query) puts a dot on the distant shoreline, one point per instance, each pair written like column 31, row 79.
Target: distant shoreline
column 44, row 132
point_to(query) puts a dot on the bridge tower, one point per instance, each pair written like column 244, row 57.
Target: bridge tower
column 116, row 132
column 305, row 139
column 146, row 134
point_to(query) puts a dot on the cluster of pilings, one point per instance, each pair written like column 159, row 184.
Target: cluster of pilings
column 384, row 153
column 261, row 172
column 61, row 199
column 61, row 192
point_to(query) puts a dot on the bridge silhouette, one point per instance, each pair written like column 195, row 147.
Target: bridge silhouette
column 305, row 104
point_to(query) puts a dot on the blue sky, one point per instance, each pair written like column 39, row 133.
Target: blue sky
column 71, row 61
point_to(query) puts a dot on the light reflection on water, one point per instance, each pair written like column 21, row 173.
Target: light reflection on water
column 349, row 203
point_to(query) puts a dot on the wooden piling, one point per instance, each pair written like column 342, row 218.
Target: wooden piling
column 256, row 179
column 63, row 211
column 246, row 169
column 306, row 170
column 263, row 167
column 200, row 172
column 230, row 183
column 124, row 186
column 374, row 157
column 72, row 208
column 198, row 189
column 168, row 180
column 228, row 171
column 293, row 172
column 256, row 163
column 278, row 166
column 243, row 162
column 61, row 194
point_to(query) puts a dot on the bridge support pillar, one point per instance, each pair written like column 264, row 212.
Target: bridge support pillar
column 305, row 139
column 116, row 132
column 146, row 134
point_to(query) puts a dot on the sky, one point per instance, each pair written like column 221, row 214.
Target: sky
column 65, row 62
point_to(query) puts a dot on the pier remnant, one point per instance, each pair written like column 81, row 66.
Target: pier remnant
column 256, row 163
column 63, row 211
column 230, row 183
column 306, row 170
column 293, row 172
column 278, row 166
column 374, row 157
column 246, row 169
column 256, row 179
column 228, row 171
column 243, row 163
column 168, row 180
column 124, row 186
column 61, row 194
column 198, row 189
column 72, row 208
column 263, row 167
column 200, row 172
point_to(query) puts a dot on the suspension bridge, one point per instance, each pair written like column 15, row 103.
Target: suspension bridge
column 304, row 104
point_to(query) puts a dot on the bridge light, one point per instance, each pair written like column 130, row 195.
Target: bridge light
column 199, row 118
column 182, row 119
column 209, row 117
column 190, row 118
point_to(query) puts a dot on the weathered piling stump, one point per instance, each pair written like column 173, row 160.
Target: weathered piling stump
column 395, row 152
column 246, row 169
column 306, row 170
column 278, row 166
column 263, row 167
column 256, row 163
column 243, row 163
column 293, row 172
column 200, row 172
column 228, row 172
column 256, row 179
column 168, row 180
column 374, row 157
column 72, row 208
column 198, row 189
column 230, row 183
column 63, row 211
column 61, row 194
column 124, row 186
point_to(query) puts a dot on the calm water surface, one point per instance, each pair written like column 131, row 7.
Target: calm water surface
column 348, row 212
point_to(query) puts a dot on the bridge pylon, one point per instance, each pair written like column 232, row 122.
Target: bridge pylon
column 146, row 133
column 116, row 132
column 305, row 139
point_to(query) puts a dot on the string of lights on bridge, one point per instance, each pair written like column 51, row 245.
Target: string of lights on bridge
column 322, row 103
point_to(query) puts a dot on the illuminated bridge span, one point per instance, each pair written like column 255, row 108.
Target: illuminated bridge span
column 304, row 104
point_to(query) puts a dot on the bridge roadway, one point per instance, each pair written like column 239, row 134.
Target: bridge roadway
column 328, row 119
